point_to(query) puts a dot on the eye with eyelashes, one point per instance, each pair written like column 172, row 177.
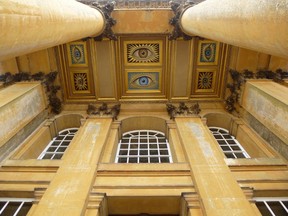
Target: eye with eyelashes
column 143, row 81
column 143, row 53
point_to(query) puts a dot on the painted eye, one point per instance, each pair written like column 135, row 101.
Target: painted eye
column 142, row 53
column 208, row 52
column 146, row 53
column 143, row 81
column 77, row 53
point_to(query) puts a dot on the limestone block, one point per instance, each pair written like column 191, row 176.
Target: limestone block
column 19, row 104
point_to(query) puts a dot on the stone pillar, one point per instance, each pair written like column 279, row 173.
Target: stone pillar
column 259, row 25
column 31, row 25
column 69, row 191
column 218, row 190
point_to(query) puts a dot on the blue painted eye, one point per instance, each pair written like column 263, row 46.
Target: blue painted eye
column 143, row 81
column 77, row 53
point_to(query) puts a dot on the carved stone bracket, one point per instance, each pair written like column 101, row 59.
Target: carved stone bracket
column 238, row 78
column 109, row 21
column 104, row 110
column 46, row 79
column 178, row 9
column 182, row 110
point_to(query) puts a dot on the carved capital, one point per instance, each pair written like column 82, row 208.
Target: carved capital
column 178, row 10
column 109, row 21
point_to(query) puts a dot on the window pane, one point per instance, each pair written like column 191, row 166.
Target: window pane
column 165, row 160
column 240, row 155
column 154, row 160
column 122, row 160
column 11, row 208
column 229, row 155
column 132, row 160
column 25, row 209
column 123, row 152
column 143, row 160
column 277, row 208
column 143, row 152
column 133, row 152
column 124, row 146
column 263, row 209
column 57, row 156
column 285, row 204
column 2, row 205
column 47, row 156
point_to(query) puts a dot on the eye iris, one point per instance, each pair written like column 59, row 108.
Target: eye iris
column 143, row 53
column 77, row 53
column 143, row 81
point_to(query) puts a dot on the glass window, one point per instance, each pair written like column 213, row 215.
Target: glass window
column 143, row 146
column 272, row 206
column 14, row 206
column 229, row 145
column 56, row 148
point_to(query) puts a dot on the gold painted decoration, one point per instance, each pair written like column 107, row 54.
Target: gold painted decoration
column 80, row 81
column 205, row 80
column 144, row 53
column 77, row 54
column 208, row 52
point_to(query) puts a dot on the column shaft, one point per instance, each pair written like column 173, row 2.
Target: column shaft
column 69, row 190
column 259, row 25
column 218, row 190
column 31, row 25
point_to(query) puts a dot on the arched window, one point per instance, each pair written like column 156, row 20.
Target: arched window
column 56, row 148
column 143, row 146
column 229, row 145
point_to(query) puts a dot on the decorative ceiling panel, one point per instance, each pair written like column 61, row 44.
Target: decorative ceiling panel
column 138, row 53
column 143, row 67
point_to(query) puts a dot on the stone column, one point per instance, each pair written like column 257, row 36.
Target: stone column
column 69, row 191
column 31, row 25
column 218, row 190
column 259, row 25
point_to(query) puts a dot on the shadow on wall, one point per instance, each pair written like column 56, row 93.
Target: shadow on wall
column 221, row 120
column 144, row 123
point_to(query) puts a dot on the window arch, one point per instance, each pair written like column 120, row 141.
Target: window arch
column 143, row 146
column 56, row 148
column 229, row 145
